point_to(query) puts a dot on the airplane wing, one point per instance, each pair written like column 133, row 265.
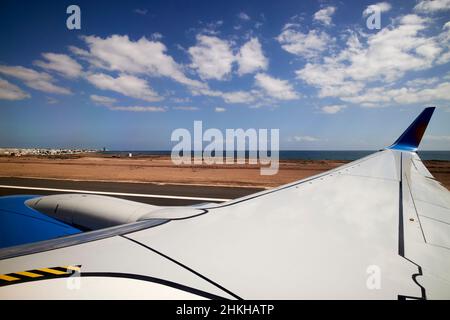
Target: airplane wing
column 375, row 228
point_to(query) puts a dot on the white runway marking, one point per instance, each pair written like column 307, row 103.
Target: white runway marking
column 160, row 196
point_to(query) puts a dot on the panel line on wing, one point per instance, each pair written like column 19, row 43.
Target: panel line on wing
column 415, row 208
column 185, row 267
column 401, row 249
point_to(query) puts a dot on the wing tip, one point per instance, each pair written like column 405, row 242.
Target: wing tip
column 411, row 137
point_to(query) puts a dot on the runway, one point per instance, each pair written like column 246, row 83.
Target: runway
column 157, row 194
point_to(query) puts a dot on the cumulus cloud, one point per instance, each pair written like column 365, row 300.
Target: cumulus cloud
column 102, row 100
column 377, row 96
column 40, row 81
column 127, row 85
column 304, row 44
column 212, row 57
column 156, row 36
column 379, row 7
column 186, row 108
column 237, row 97
column 276, row 88
column 251, row 57
column 324, row 15
column 139, row 109
column 332, row 109
column 220, row 109
column 367, row 59
column 141, row 57
column 243, row 16
column 431, row 6
column 305, row 139
column 9, row 91
column 61, row 63
column 420, row 82
column 228, row 97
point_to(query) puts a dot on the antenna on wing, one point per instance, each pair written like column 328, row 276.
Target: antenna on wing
column 410, row 139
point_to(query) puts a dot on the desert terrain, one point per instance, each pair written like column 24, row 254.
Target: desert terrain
column 160, row 169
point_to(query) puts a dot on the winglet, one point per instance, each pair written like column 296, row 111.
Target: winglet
column 410, row 139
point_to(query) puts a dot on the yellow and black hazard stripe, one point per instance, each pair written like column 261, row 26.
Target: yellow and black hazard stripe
column 38, row 274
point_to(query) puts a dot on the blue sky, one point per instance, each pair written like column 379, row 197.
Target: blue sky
column 137, row 70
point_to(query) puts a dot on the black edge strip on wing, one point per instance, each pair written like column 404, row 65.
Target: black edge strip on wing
column 185, row 267
column 69, row 273
column 155, row 280
column 401, row 240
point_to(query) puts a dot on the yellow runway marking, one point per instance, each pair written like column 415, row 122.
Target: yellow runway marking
column 8, row 278
column 29, row 274
column 52, row 271
column 38, row 274
column 74, row 268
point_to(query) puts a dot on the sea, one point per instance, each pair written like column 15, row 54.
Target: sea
column 348, row 155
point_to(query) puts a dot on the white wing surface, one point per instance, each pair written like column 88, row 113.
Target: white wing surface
column 376, row 228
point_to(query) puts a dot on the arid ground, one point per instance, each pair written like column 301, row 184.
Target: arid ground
column 160, row 169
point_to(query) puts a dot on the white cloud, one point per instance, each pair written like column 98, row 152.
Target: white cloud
column 243, row 16
column 430, row 6
column 186, row 108
column 102, row 100
column 51, row 100
column 212, row 57
column 139, row 109
column 444, row 58
column 9, row 91
column 181, row 100
column 276, row 88
column 109, row 103
column 119, row 53
column 304, row 44
column 251, row 57
column 379, row 7
column 437, row 138
column 220, row 109
column 228, row 97
column 127, row 85
column 37, row 80
column 60, row 63
column 420, row 82
column 210, row 28
column 332, row 109
column 156, row 36
column 238, row 97
column 324, row 15
column 384, row 56
column 373, row 97
column 305, row 139
column 142, row 12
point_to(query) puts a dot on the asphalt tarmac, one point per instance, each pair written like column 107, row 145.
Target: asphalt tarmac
column 156, row 194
